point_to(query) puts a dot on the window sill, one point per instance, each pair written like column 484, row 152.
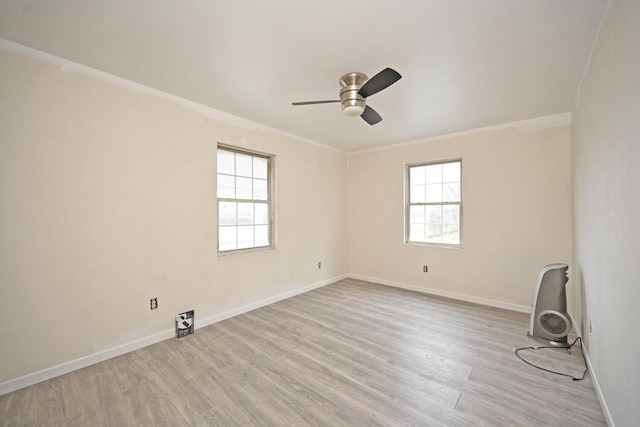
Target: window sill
column 244, row 251
column 436, row 245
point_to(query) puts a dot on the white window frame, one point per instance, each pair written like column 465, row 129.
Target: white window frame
column 443, row 203
column 269, row 200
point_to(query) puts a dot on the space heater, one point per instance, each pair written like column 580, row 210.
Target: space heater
column 549, row 319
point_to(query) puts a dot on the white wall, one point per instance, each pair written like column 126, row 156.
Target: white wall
column 516, row 194
column 606, row 181
column 108, row 198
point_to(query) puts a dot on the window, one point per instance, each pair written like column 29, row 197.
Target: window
column 245, row 205
column 434, row 203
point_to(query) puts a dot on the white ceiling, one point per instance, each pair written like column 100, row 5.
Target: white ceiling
column 465, row 63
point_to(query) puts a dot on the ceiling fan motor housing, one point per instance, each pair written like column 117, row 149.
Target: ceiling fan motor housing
column 352, row 103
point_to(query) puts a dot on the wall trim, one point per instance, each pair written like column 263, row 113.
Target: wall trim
column 69, row 66
column 603, row 401
column 91, row 359
column 594, row 377
column 523, row 126
column 499, row 304
column 446, row 294
column 210, row 320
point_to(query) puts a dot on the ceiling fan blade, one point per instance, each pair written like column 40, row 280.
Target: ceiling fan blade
column 314, row 102
column 382, row 80
column 370, row 116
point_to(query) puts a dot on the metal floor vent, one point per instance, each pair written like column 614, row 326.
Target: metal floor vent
column 185, row 324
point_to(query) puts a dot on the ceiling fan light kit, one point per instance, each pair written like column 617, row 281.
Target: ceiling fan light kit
column 355, row 87
column 353, row 110
column 352, row 102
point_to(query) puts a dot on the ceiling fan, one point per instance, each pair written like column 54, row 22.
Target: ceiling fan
column 355, row 88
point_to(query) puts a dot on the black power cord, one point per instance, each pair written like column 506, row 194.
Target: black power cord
column 586, row 367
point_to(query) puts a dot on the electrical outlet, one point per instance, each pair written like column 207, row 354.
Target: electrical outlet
column 319, row 265
column 154, row 303
column 425, row 269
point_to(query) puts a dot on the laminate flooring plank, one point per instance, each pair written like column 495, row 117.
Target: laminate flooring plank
column 390, row 385
column 518, row 397
column 267, row 378
column 201, row 381
column 352, row 353
column 371, row 334
column 357, row 325
column 401, row 369
column 291, row 372
column 168, row 394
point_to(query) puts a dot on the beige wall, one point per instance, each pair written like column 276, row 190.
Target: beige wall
column 108, row 198
column 516, row 213
column 606, row 180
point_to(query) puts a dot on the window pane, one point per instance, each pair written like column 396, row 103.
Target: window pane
column 227, row 238
column 245, row 237
column 244, row 165
column 262, row 235
column 243, row 188
column 226, row 213
column 417, row 175
column 261, row 213
column 226, row 186
column 451, row 172
column 451, row 224
column 451, row 237
column 260, row 191
column 260, row 169
column 434, row 193
column 245, row 213
column 416, row 233
column 417, row 194
column 452, row 192
column 226, row 162
column 416, row 215
column 451, row 215
column 433, row 214
column 434, row 233
column 433, row 174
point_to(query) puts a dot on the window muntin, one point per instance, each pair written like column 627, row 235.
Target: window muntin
column 434, row 203
column 245, row 215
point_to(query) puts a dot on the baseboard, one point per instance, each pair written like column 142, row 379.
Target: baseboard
column 82, row 362
column 596, row 384
column 67, row 367
column 210, row 320
column 446, row 294
column 594, row 377
column 505, row 305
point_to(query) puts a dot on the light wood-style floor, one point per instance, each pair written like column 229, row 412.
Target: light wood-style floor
column 348, row 354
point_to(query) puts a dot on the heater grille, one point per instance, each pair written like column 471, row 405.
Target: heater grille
column 554, row 323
